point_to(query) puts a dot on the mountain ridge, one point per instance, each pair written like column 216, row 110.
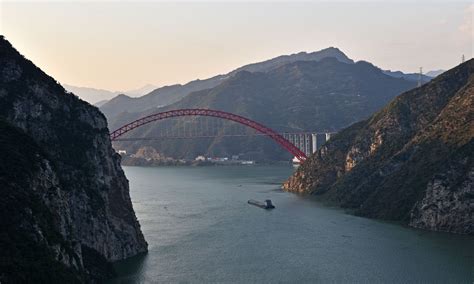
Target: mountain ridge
column 401, row 163
column 94, row 95
column 303, row 95
column 169, row 94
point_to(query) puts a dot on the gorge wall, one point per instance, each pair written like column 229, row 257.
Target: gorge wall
column 411, row 161
column 65, row 200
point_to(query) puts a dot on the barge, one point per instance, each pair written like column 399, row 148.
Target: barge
column 265, row 205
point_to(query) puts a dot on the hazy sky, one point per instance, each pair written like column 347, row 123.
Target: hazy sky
column 124, row 45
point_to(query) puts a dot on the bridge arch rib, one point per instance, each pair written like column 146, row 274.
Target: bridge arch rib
column 300, row 155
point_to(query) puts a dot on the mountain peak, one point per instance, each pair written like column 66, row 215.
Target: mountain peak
column 273, row 63
column 332, row 52
column 332, row 49
column 123, row 96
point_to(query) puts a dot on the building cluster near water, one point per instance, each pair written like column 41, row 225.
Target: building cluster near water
column 151, row 158
column 235, row 159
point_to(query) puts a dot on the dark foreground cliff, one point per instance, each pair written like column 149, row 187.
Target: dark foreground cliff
column 410, row 162
column 65, row 209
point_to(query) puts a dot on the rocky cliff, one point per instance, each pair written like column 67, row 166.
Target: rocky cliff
column 65, row 202
column 412, row 161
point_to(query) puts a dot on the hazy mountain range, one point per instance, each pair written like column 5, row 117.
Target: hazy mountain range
column 99, row 96
column 170, row 94
column 415, row 77
column 434, row 73
column 152, row 96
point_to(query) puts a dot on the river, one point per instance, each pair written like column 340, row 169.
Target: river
column 200, row 229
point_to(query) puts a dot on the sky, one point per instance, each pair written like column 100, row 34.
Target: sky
column 124, row 45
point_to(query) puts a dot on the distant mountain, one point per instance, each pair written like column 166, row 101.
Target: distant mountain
column 158, row 98
column 90, row 95
column 170, row 94
column 303, row 95
column 100, row 103
column 435, row 73
column 93, row 96
column 268, row 65
column 414, row 77
column 413, row 161
column 140, row 91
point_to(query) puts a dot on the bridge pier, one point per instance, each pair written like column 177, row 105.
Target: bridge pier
column 328, row 136
column 314, row 140
column 307, row 144
column 319, row 139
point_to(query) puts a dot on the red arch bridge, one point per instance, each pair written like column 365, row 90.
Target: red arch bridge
column 285, row 140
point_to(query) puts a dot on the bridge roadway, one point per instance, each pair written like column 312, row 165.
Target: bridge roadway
column 191, row 136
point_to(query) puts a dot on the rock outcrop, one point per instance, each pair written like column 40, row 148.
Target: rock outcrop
column 150, row 157
column 411, row 162
column 65, row 199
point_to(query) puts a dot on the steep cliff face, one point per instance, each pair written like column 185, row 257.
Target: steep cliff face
column 412, row 161
column 77, row 179
column 35, row 215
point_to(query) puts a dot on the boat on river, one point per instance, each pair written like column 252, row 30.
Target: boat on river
column 265, row 205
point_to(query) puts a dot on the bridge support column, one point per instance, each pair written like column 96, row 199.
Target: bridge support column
column 291, row 139
column 302, row 143
column 298, row 141
column 307, row 142
column 328, row 136
column 314, row 139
